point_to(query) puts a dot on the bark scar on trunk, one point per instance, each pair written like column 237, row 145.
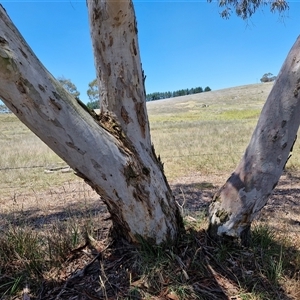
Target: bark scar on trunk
column 125, row 115
column 141, row 116
column 223, row 215
column 21, row 85
column 3, row 41
column 71, row 145
column 296, row 90
column 55, row 104
column 129, row 174
column 108, row 123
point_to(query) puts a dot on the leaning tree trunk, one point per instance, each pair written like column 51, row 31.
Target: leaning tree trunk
column 247, row 190
column 112, row 153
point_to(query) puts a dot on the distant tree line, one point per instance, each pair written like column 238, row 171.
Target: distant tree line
column 183, row 92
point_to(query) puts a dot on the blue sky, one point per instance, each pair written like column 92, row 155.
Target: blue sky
column 183, row 44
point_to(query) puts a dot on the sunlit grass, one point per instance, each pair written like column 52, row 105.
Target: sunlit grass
column 205, row 134
column 29, row 257
column 24, row 158
column 208, row 133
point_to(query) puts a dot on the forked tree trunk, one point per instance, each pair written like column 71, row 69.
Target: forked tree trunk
column 247, row 190
column 114, row 154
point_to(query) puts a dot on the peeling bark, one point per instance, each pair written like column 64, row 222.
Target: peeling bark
column 246, row 192
column 113, row 154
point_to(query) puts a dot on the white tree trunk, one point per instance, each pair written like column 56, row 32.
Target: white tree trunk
column 114, row 155
column 246, row 192
column 118, row 65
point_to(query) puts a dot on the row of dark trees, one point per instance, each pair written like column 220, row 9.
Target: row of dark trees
column 183, row 92
column 93, row 94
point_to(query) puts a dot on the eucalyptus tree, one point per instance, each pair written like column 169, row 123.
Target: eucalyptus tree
column 93, row 94
column 69, row 86
column 113, row 152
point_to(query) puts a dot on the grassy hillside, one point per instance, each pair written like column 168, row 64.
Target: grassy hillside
column 204, row 133
column 54, row 228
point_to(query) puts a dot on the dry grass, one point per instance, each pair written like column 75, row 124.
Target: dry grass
column 188, row 137
column 24, row 158
column 208, row 132
column 53, row 228
column 42, row 233
column 204, row 133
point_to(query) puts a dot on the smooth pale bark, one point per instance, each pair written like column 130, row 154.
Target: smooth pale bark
column 130, row 181
column 118, row 65
column 246, row 192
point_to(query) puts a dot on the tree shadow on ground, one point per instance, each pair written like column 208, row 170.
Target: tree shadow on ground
column 269, row 259
column 194, row 268
column 38, row 218
column 58, row 204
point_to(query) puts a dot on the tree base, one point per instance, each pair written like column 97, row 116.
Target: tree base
column 244, row 239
